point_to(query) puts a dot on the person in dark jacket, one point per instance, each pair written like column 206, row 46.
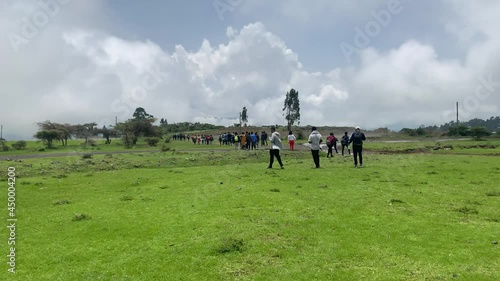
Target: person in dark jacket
column 357, row 139
column 345, row 143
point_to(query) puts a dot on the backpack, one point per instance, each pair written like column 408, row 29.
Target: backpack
column 357, row 138
column 345, row 140
column 329, row 141
column 236, row 138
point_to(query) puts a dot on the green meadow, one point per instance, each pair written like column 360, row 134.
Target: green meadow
column 214, row 213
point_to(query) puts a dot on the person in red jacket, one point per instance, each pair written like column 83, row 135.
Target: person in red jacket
column 331, row 142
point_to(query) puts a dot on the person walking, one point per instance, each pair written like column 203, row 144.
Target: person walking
column 275, row 148
column 345, row 143
column 263, row 138
column 253, row 137
column 291, row 140
column 315, row 141
column 330, row 143
column 357, row 139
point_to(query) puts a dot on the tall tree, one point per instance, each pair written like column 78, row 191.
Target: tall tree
column 107, row 133
column 85, row 131
column 65, row 130
column 48, row 136
column 141, row 125
column 141, row 114
column 292, row 108
column 244, row 116
column 479, row 132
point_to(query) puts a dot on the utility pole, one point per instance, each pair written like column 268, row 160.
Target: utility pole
column 457, row 113
column 240, row 123
column 1, row 132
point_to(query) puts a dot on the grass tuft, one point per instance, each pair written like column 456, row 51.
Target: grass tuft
column 81, row 217
column 467, row 211
column 127, row 198
column 229, row 245
column 61, row 202
column 493, row 193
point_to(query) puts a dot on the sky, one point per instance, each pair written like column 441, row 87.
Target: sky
column 367, row 63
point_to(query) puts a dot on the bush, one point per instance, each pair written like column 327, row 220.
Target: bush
column 152, row 141
column 300, row 135
column 87, row 156
column 19, row 145
column 4, row 146
column 165, row 148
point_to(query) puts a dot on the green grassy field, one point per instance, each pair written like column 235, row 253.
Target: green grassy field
column 221, row 215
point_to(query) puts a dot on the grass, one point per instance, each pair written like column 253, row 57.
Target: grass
column 224, row 216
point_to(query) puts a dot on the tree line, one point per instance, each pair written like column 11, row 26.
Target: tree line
column 141, row 125
column 476, row 128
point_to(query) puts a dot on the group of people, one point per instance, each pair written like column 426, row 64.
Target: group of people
column 315, row 140
column 246, row 140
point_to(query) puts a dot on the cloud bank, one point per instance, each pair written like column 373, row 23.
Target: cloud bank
column 75, row 71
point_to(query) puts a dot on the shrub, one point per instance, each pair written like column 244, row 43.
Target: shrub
column 165, row 148
column 300, row 135
column 87, row 156
column 19, row 145
column 153, row 141
column 4, row 146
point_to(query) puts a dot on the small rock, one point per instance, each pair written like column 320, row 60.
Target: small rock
column 494, row 242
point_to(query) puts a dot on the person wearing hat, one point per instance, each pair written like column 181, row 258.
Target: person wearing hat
column 357, row 139
column 276, row 146
column 315, row 141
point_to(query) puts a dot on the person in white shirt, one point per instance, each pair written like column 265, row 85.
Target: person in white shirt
column 291, row 140
column 315, row 141
column 276, row 146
